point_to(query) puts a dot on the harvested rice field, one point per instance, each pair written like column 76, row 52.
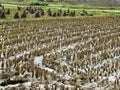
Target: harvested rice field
column 60, row 54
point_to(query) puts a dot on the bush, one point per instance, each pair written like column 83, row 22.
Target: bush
column 39, row 3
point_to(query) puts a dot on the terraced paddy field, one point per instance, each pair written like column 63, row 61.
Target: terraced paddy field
column 60, row 54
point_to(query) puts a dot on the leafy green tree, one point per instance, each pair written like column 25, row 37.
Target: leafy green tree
column 49, row 0
column 20, row 0
column 41, row 0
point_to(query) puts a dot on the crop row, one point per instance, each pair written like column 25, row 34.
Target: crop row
column 73, row 53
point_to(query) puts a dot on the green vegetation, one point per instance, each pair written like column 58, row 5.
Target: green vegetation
column 95, row 10
column 39, row 3
column 73, row 2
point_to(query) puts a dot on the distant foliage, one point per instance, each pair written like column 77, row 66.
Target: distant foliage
column 75, row 2
column 20, row 0
column 96, row 2
column 49, row 0
column 41, row 0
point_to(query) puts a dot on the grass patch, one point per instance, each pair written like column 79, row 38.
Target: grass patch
column 97, row 11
